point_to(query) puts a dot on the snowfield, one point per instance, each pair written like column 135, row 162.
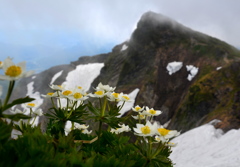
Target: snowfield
column 83, row 75
column 206, row 146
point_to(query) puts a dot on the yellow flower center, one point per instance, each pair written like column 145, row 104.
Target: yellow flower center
column 1, row 63
column 77, row 95
column 142, row 116
column 99, row 93
column 115, row 95
column 50, row 93
column 145, row 130
column 67, row 92
column 163, row 131
column 31, row 104
column 126, row 97
column 152, row 111
column 79, row 87
column 13, row 71
column 138, row 108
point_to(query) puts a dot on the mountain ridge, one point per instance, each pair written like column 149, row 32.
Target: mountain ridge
column 157, row 41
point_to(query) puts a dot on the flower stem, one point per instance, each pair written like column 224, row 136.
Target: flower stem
column 9, row 93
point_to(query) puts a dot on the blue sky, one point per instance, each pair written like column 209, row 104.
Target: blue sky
column 51, row 32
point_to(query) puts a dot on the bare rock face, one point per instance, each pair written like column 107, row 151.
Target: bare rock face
column 141, row 63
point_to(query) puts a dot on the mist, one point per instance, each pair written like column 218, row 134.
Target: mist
column 46, row 33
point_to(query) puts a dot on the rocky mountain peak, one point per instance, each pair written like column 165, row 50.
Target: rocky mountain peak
column 156, row 19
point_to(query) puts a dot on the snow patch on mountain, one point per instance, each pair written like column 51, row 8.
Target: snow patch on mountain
column 193, row 71
column 174, row 67
column 124, row 47
column 83, row 75
column 56, row 76
column 206, row 146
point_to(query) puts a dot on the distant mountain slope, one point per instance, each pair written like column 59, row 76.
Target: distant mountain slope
column 142, row 63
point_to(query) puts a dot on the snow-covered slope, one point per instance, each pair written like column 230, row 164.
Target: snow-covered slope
column 206, row 146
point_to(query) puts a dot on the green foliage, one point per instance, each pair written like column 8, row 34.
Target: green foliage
column 75, row 146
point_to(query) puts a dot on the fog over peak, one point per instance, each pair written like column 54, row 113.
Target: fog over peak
column 93, row 25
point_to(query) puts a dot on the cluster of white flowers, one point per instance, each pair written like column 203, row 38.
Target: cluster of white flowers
column 84, row 128
column 106, row 90
column 145, row 112
column 160, row 133
column 123, row 128
column 148, row 129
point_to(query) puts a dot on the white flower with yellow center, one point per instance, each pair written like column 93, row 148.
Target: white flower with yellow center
column 105, row 88
column 124, row 97
column 166, row 134
column 123, row 128
column 77, row 96
column 14, row 71
column 50, row 94
column 31, row 105
column 151, row 112
column 98, row 94
column 137, row 108
column 145, row 130
column 112, row 96
column 57, row 87
column 66, row 93
column 139, row 116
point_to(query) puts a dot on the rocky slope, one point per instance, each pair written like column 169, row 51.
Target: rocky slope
column 141, row 63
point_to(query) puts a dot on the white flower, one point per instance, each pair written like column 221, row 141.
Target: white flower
column 80, row 126
column 50, row 94
column 85, row 131
column 137, row 108
column 171, row 144
column 65, row 93
column 38, row 112
column 124, row 97
column 139, row 116
column 98, row 94
column 166, row 134
column 151, row 112
column 14, row 72
column 80, row 90
column 31, row 105
column 77, row 95
column 57, row 87
column 112, row 96
column 145, row 130
column 105, row 88
column 123, row 128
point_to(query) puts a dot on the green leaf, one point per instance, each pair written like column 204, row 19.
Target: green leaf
column 16, row 117
column 18, row 101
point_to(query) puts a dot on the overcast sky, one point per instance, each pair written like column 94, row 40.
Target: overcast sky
column 98, row 25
